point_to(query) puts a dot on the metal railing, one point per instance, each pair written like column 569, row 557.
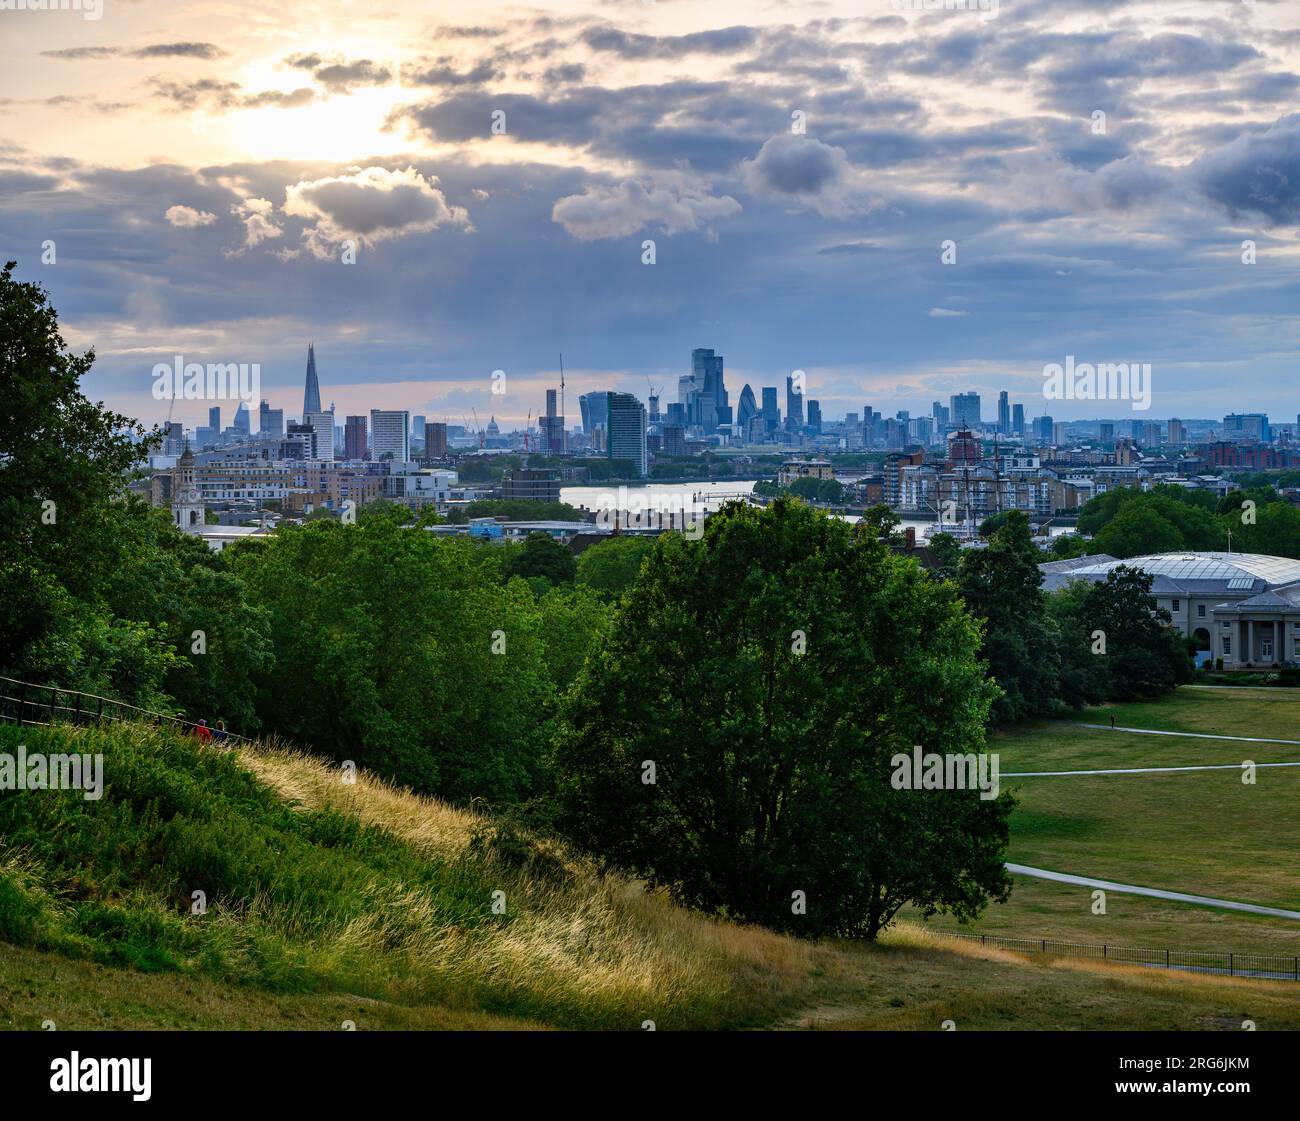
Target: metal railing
column 1229, row 963
column 24, row 702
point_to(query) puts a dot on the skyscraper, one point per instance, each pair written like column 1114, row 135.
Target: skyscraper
column 747, row 409
column 815, row 418
column 627, row 421
column 552, row 425
column 270, row 422
column 322, row 423
column 435, row 440
column 354, row 438
column 1017, row 420
column 793, row 406
column 771, row 412
column 712, row 408
column 240, row 425
column 311, row 394
column 964, row 410
column 1004, row 414
column 595, row 411
column 390, row 434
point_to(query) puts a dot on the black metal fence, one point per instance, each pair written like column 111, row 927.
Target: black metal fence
column 23, row 702
column 1273, row 966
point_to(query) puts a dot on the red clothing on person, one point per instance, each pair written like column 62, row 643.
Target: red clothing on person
column 203, row 732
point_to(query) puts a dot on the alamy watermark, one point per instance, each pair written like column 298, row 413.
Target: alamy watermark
column 38, row 771
column 89, row 9
column 988, row 9
column 929, row 770
column 1106, row 381
column 217, row 381
column 640, row 509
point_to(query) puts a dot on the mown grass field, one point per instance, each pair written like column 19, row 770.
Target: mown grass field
column 330, row 902
column 1199, row 832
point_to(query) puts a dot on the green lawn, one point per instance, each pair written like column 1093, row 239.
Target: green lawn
column 1201, row 832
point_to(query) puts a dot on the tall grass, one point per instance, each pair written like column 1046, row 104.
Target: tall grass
column 315, row 885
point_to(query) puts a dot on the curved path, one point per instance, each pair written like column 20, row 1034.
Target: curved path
column 1139, row 770
column 1153, row 892
column 1184, row 735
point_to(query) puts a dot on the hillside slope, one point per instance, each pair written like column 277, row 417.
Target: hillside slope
column 328, row 902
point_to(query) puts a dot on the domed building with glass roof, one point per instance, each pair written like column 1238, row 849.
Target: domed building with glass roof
column 1241, row 607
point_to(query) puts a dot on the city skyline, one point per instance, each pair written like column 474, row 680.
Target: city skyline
column 205, row 193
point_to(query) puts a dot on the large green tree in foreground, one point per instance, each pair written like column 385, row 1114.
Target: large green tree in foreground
column 764, row 677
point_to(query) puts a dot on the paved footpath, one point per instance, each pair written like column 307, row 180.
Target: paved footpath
column 1139, row 770
column 1153, row 892
column 1183, row 735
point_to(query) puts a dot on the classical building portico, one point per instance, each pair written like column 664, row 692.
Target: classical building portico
column 1243, row 608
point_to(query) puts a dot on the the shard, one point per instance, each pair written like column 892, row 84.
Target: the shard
column 311, row 395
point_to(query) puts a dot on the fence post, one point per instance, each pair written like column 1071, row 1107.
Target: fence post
column 1105, row 950
column 22, row 703
column 1044, row 950
column 76, row 717
column 1230, row 965
column 1166, row 959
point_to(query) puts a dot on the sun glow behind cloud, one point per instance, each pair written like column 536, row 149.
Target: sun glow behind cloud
column 332, row 128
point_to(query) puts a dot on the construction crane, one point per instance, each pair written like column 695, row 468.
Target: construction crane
column 528, row 428
column 482, row 436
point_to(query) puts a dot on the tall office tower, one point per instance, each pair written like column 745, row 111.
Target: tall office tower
column 270, row 422
column 299, row 442
column 655, row 415
column 435, row 440
column 676, row 412
column 793, row 406
column 552, row 426
column 1151, row 434
column 1042, row 428
column 1059, row 438
column 815, row 418
column 771, row 413
column 354, row 437
column 674, row 440
column 595, row 412
column 940, row 414
column 240, row 425
column 174, row 441
column 1004, row 414
column 706, row 373
column 1017, row 420
column 1176, row 433
column 964, row 410
column 1135, row 429
column 417, row 428
column 872, row 426
column 390, row 434
column 1246, row 426
column 688, row 397
column 746, row 409
column 214, row 418
column 1107, row 432
column 627, row 421
column 311, row 392
column 322, row 423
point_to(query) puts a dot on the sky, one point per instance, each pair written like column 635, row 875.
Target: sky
column 431, row 192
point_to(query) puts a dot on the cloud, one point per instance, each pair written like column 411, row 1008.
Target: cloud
column 946, row 313
column 206, row 51
column 723, row 40
column 258, row 216
column 187, row 218
column 338, row 75
column 802, row 169
column 1257, row 173
column 620, row 210
column 370, row 206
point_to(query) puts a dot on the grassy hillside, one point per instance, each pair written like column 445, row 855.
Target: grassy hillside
column 329, row 902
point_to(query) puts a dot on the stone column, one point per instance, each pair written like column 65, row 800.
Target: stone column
column 1250, row 641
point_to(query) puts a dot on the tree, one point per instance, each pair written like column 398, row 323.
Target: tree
column 733, row 735
column 1145, row 654
column 1001, row 585
column 540, row 556
column 610, row 567
column 1137, row 530
column 946, row 551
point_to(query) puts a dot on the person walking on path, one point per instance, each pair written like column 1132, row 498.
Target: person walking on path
column 203, row 732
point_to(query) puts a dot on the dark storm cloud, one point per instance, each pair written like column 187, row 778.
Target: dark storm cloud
column 1257, row 173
